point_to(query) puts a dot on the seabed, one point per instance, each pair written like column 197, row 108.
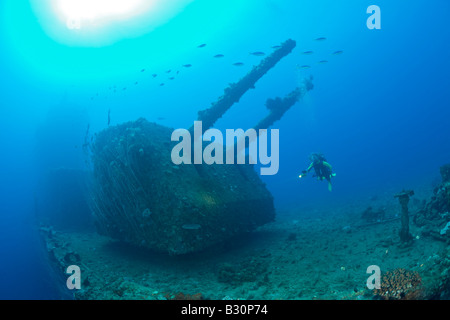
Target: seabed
column 325, row 255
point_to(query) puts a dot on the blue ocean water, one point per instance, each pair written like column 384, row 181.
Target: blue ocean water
column 379, row 111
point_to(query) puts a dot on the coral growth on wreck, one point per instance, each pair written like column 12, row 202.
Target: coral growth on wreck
column 400, row 284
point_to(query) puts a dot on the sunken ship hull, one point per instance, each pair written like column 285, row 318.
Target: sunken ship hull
column 139, row 196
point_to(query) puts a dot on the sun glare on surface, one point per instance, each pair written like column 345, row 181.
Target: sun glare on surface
column 89, row 23
column 79, row 13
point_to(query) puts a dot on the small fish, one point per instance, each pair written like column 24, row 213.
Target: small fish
column 202, row 45
column 219, row 56
column 307, row 52
column 171, row 78
column 191, row 226
column 178, row 71
column 125, row 88
column 257, row 53
column 303, row 67
column 109, row 116
column 161, row 118
column 187, row 65
column 161, row 84
column 168, row 71
column 154, row 75
column 321, row 39
column 338, row 52
column 323, row 61
column 142, row 70
column 136, row 83
column 238, row 64
column 276, row 47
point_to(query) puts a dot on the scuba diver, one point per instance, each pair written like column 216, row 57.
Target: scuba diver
column 322, row 168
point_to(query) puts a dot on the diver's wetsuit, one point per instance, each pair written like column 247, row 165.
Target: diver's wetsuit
column 322, row 169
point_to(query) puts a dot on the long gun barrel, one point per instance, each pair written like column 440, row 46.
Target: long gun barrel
column 235, row 91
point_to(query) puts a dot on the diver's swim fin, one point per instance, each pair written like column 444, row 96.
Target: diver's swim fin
column 329, row 186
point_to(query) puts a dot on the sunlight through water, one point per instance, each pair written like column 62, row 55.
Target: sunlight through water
column 103, row 22
column 79, row 12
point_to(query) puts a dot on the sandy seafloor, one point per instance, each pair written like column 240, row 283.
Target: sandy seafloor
column 306, row 253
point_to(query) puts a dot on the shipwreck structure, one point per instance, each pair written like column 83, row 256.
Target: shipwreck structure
column 403, row 198
column 139, row 196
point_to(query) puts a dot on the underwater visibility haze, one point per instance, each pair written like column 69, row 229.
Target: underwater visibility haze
column 357, row 142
